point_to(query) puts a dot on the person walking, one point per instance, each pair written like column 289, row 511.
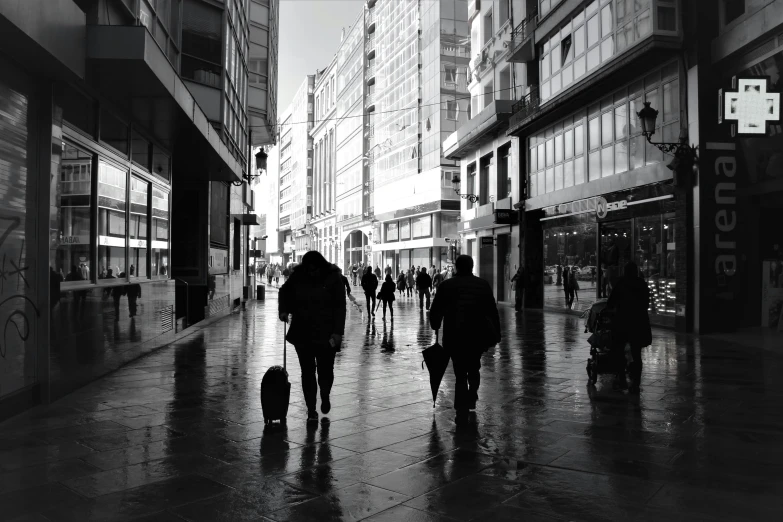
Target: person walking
column 345, row 282
column 401, row 283
column 519, row 287
column 387, row 296
column 378, row 272
column 432, row 271
column 410, row 281
column 630, row 300
column 437, row 279
column 424, row 285
column 466, row 308
column 566, row 286
column 134, row 293
column 573, row 287
column 314, row 298
column 277, row 276
column 269, row 273
column 387, row 271
column 355, row 273
column 369, row 285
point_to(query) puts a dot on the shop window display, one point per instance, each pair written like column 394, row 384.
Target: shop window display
column 655, row 257
column 112, row 222
column 574, row 247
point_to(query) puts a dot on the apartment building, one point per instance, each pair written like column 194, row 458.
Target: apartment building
column 324, row 236
column 282, row 201
column 487, row 182
column 132, row 119
column 423, row 50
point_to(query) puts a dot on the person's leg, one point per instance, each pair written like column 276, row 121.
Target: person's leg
column 369, row 307
column 636, row 367
column 325, row 360
column 391, row 310
column 474, row 377
column 383, row 302
column 309, row 385
column 461, row 385
column 373, row 303
column 421, row 298
column 427, row 293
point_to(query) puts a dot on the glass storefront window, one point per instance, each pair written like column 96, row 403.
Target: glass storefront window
column 616, row 248
column 112, row 222
column 574, row 247
column 139, row 244
column 405, row 229
column 71, row 216
column 655, row 256
column 422, row 226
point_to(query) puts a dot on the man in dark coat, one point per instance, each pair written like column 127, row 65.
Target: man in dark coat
column 369, row 285
column 314, row 296
column 630, row 301
column 423, row 285
column 471, row 324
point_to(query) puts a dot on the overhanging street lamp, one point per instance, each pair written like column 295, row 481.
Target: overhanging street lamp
column 455, row 181
column 684, row 154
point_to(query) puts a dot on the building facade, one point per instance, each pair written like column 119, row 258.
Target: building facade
column 324, row 236
column 136, row 189
column 283, row 201
column 489, row 158
column 423, row 52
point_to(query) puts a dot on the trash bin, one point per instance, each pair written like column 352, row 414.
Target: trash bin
column 260, row 292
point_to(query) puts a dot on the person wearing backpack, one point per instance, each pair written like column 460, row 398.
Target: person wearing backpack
column 466, row 307
column 386, row 295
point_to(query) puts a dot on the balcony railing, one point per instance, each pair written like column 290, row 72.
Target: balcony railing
column 526, row 107
column 371, row 20
column 522, row 48
column 369, row 101
column 370, row 74
column 370, row 46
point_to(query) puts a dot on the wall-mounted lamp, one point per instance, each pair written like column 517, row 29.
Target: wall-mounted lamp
column 684, row 154
column 455, row 181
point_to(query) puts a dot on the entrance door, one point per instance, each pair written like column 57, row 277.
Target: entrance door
column 503, row 268
column 616, row 251
column 487, row 259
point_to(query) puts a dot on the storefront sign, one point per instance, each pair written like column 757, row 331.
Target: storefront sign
column 725, row 210
column 504, row 216
column 487, row 241
column 751, row 106
column 75, row 240
column 602, row 207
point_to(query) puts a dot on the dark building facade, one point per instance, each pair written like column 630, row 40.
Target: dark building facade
column 116, row 186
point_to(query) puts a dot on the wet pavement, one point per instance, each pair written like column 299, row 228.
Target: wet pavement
column 179, row 435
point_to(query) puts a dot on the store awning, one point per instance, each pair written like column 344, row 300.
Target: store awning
column 247, row 219
column 129, row 68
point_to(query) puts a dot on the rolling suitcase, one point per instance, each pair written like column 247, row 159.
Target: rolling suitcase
column 276, row 390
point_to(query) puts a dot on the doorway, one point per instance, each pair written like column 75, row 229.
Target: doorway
column 486, row 256
column 504, row 268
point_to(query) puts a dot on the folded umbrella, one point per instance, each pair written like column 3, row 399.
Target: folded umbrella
column 437, row 359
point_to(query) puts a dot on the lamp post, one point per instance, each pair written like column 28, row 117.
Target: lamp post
column 455, row 181
column 684, row 154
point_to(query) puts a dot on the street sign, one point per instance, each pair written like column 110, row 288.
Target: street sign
column 504, row 216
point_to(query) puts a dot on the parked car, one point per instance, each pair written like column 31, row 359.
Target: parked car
column 549, row 274
column 587, row 272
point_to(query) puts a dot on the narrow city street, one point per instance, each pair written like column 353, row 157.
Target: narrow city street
column 179, row 435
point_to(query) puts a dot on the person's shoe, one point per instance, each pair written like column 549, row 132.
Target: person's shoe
column 326, row 405
column 312, row 416
column 472, row 402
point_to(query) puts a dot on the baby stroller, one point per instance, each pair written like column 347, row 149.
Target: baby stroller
column 603, row 355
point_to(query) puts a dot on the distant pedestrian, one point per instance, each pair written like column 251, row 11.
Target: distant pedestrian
column 437, row 279
column 423, row 286
column 270, row 272
column 520, row 283
column 387, row 296
column 401, row 283
column 378, row 272
column 410, row 281
column 467, row 310
column 573, row 287
column 369, row 285
column 315, row 300
column 277, row 276
column 432, row 271
column 134, row 293
column 387, row 271
column 630, row 301
column 354, row 273
column 566, row 287
column 345, row 282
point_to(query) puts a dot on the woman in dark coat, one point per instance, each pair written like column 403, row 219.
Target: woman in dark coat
column 630, row 301
column 566, row 286
column 314, row 296
column 369, row 285
column 387, row 296
column 411, row 281
column 401, row 283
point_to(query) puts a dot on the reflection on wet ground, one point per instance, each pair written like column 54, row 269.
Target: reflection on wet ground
column 179, row 435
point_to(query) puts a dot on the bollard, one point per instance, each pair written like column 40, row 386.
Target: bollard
column 260, row 292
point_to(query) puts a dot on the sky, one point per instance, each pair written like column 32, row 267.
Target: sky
column 309, row 38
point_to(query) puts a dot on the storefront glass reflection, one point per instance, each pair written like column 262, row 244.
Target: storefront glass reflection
column 615, row 253
column 574, row 247
column 655, row 256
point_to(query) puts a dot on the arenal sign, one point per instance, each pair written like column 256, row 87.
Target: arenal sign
column 750, row 106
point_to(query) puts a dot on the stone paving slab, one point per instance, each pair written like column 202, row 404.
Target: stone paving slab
column 179, row 434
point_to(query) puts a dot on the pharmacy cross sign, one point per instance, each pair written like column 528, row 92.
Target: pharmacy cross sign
column 751, row 106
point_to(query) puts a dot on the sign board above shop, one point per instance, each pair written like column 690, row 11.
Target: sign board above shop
column 750, row 106
column 504, row 216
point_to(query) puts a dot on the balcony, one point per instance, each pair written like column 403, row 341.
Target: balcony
column 472, row 134
column 526, row 107
column 370, row 74
column 371, row 21
column 369, row 102
column 370, row 47
column 523, row 46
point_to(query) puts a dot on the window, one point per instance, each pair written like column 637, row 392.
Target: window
column 450, row 74
column 471, row 183
column 140, row 150
column 452, row 109
column 71, row 215
column 218, row 215
column 160, row 233
column 504, row 13
column 405, row 229
column 489, row 93
column 488, row 27
column 201, row 43
column 446, row 177
column 392, row 232
column 139, row 240
column 112, row 221
column 236, row 247
column 114, row 132
column 422, row 226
